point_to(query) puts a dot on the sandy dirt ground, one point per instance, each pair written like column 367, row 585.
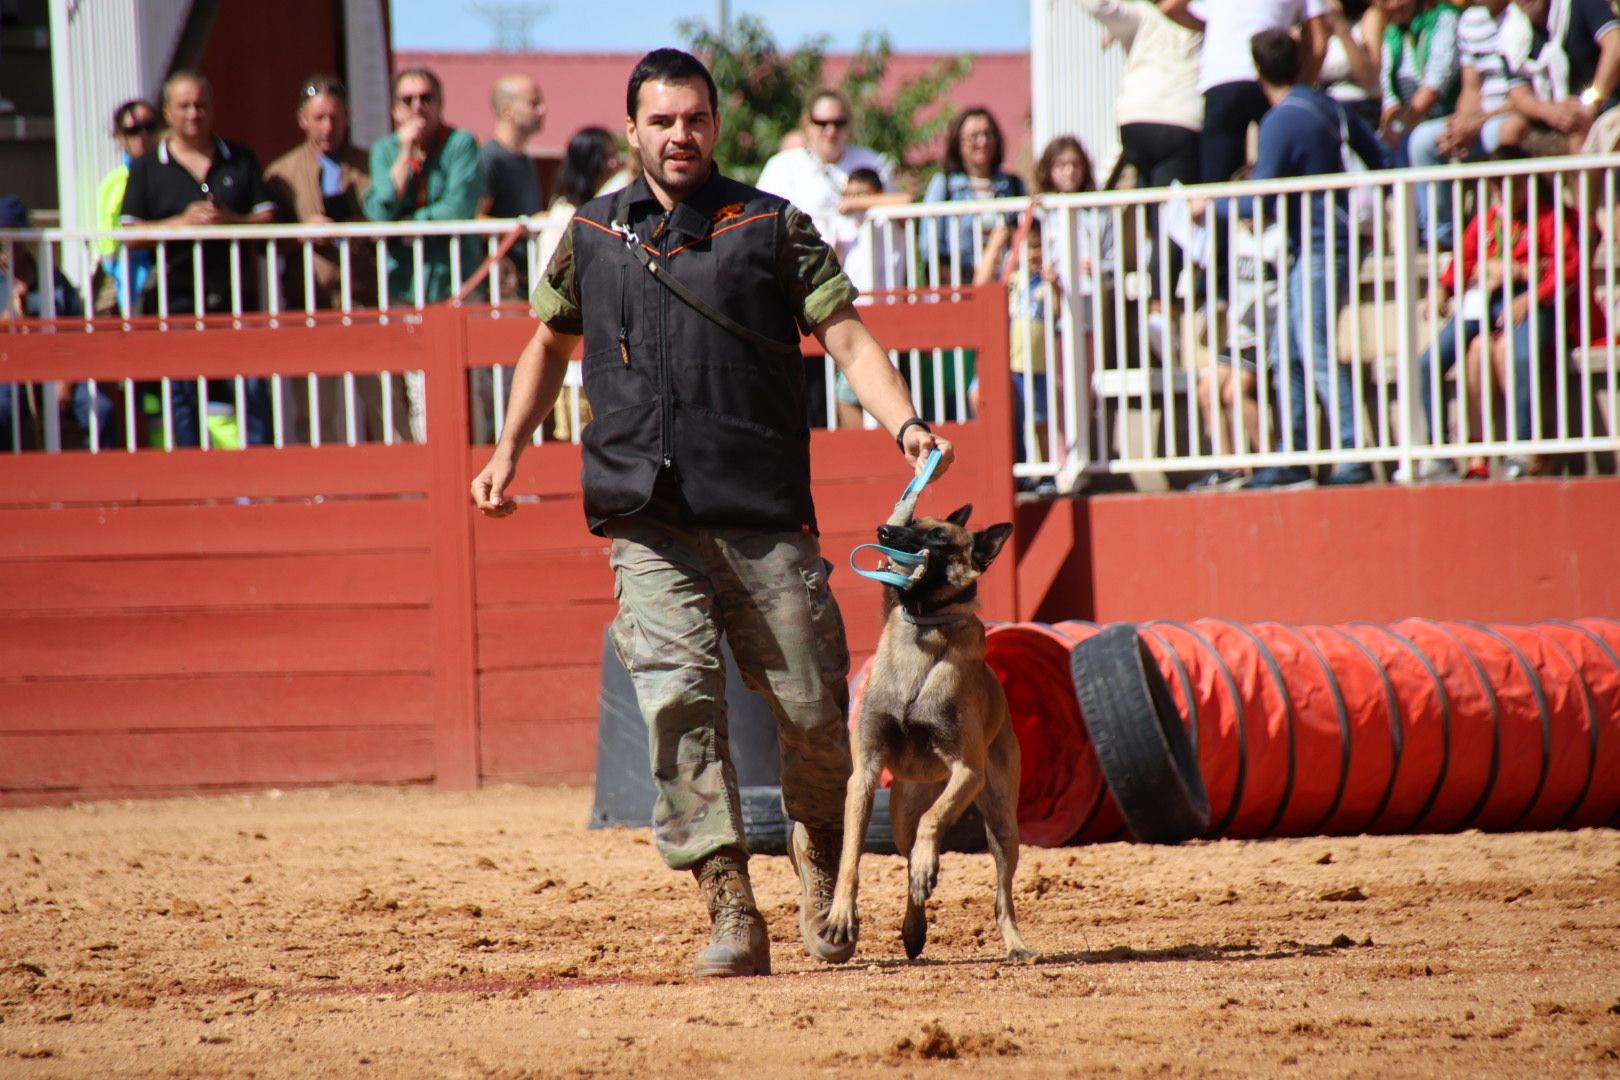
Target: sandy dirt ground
column 412, row 933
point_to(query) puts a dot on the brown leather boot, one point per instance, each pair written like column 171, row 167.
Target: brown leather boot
column 814, row 854
column 740, row 944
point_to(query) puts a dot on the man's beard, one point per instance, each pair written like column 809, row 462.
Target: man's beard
column 674, row 185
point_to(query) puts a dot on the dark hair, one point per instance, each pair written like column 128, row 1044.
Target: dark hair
column 1543, row 181
column 865, row 176
column 668, row 65
column 953, row 140
column 589, row 150
column 1063, row 144
column 121, row 114
column 187, row 75
column 1276, row 57
column 416, row 73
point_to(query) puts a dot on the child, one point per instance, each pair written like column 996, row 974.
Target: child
column 1033, row 292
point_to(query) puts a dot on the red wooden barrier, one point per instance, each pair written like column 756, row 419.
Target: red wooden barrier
column 194, row 620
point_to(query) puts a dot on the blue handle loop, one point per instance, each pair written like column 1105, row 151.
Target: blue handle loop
column 913, row 560
column 920, row 481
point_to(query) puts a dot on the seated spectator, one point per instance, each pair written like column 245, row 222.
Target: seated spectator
column 1563, row 63
column 1482, row 119
column 194, row 179
column 1417, row 68
column 1033, row 292
column 424, row 170
column 814, row 177
column 1232, row 98
column 971, row 169
column 1505, row 313
column 135, row 128
column 871, row 251
column 1303, row 135
column 323, row 180
column 1350, row 66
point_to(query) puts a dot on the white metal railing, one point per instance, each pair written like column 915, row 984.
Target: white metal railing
column 1145, row 369
column 1148, row 371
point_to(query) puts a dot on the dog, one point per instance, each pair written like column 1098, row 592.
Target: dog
column 934, row 714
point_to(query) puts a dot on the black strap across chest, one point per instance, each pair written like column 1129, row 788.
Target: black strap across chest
column 632, row 244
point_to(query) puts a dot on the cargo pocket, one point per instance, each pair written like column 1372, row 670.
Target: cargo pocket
column 622, row 630
column 827, row 623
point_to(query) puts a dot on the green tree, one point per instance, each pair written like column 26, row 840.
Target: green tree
column 763, row 89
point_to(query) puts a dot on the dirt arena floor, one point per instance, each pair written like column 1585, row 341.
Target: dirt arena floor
column 411, row 933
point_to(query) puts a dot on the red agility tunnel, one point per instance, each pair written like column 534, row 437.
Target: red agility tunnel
column 1422, row 726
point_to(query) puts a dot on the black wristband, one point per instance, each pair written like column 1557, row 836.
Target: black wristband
column 900, row 436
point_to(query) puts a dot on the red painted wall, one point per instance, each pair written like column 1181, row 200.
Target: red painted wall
column 1495, row 552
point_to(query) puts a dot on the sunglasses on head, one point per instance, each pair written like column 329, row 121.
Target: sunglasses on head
column 315, row 89
column 838, row 122
column 145, row 127
column 426, row 97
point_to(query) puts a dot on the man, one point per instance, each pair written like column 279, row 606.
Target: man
column 1563, row 60
column 194, row 179
column 1482, row 120
column 813, row 177
column 697, row 467
column 1303, row 135
column 1232, row 98
column 135, row 128
column 424, row 170
column 511, row 184
column 322, row 180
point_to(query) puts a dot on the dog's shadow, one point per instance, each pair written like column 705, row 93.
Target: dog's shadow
column 1126, row 954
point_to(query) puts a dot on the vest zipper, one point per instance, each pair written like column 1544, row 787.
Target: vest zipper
column 624, row 314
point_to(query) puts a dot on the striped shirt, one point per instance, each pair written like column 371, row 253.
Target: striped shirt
column 1438, row 73
column 1477, row 33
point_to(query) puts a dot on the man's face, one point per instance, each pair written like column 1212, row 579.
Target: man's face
column 526, row 108
column 827, row 129
column 415, row 99
column 325, row 122
column 1535, row 9
column 673, row 132
column 137, row 131
column 188, row 110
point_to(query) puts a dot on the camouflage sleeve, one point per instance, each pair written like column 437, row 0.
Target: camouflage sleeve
column 810, row 272
column 556, row 299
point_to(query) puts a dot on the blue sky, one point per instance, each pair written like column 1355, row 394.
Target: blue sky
column 631, row 25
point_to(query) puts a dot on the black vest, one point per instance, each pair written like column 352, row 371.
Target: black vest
column 668, row 388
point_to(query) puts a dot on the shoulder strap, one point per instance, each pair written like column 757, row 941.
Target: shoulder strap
column 632, row 244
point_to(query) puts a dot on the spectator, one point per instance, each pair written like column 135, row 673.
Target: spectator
column 1232, row 98
column 1159, row 108
column 193, row 179
column 1350, row 66
column 1033, row 294
column 1303, row 134
column 1482, row 119
column 424, row 170
column 872, row 250
column 324, row 180
column 1418, row 68
column 1506, row 309
column 1065, row 168
column 135, row 128
column 813, row 177
column 971, row 169
column 511, row 182
column 1563, row 61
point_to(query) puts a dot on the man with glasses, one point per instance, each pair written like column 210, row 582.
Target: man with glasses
column 424, row 170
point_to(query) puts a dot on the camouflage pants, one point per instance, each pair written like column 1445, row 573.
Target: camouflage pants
column 679, row 588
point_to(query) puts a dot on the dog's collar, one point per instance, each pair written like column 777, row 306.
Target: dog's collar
column 939, row 616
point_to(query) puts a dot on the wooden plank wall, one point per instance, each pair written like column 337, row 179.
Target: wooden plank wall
column 211, row 621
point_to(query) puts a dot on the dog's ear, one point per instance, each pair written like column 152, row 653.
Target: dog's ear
column 987, row 544
column 960, row 517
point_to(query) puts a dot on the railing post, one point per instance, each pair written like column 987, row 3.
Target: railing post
column 989, row 331
column 455, row 674
column 1408, row 380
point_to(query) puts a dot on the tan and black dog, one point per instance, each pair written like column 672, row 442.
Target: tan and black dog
column 934, row 714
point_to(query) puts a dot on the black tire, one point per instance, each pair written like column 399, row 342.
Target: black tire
column 766, row 827
column 1146, row 757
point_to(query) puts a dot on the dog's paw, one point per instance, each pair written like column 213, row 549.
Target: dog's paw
column 914, row 930
column 1022, row 955
column 843, row 926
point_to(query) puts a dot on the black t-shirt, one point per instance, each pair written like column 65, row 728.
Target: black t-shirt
column 1588, row 20
column 160, row 187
